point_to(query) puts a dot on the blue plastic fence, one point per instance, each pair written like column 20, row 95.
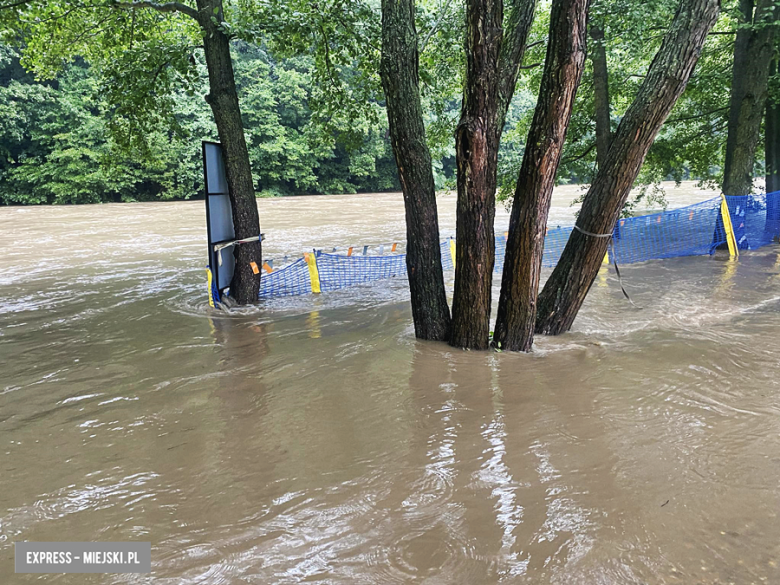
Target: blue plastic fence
column 687, row 231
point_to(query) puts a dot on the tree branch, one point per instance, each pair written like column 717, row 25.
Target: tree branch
column 435, row 25
column 531, row 66
column 710, row 131
column 166, row 7
column 571, row 159
column 326, row 44
column 697, row 116
column 14, row 4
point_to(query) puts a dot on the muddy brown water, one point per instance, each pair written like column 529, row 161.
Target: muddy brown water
column 314, row 440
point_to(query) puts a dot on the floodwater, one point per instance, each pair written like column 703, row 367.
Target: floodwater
column 314, row 440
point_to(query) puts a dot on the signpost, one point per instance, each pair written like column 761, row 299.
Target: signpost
column 219, row 216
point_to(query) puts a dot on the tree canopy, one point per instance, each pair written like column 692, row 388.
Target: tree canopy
column 113, row 108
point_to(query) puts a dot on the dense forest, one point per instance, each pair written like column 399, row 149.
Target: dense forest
column 63, row 141
column 57, row 144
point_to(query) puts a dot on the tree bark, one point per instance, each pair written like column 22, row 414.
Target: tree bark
column 753, row 52
column 399, row 71
column 598, row 58
column 223, row 99
column 772, row 156
column 492, row 66
column 565, row 291
column 476, row 150
column 525, row 246
column 772, row 139
column 518, row 26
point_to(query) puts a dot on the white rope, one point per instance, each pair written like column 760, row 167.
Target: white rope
column 614, row 259
column 219, row 247
column 592, row 235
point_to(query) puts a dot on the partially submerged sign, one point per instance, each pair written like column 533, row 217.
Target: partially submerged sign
column 219, row 217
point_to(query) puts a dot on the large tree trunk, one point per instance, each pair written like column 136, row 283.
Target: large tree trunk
column 753, row 52
column 565, row 291
column 492, row 67
column 223, row 99
column 476, row 151
column 407, row 131
column 524, row 249
column 598, row 58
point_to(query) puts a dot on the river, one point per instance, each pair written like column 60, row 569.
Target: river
column 312, row 439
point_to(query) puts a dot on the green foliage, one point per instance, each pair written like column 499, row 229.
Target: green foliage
column 691, row 145
column 342, row 41
column 56, row 148
column 117, row 112
column 59, row 141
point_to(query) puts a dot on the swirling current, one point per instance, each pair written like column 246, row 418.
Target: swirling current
column 313, row 439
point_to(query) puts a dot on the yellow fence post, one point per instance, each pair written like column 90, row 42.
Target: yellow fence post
column 731, row 239
column 452, row 251
column 210, row 280
column 314, row 274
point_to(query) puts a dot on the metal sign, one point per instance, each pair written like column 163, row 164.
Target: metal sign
column 219, row 215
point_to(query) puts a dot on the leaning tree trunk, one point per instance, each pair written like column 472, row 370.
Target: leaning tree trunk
column 518, row 26
column 753, row 52
column 476, row 152
column 399, row 70
column 223, row 99
column 525, row 245
column 565, row 291
column 598, row 58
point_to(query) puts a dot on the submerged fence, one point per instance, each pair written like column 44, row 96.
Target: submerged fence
column 742, row 223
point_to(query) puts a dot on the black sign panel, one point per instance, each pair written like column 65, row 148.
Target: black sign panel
column 219, row 214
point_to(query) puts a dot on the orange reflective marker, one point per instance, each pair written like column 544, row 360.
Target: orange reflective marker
column 267, row 268
column 349, row 252
column 255, row 269
column 690, row 216
column 658, row 220
column 395, row 245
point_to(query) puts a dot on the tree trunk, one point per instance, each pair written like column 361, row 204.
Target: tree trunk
column 772, row 156
column 223, row 99
column 772, row 139
column 492, row 66
column 521, row 17
column 753, row 52
column 399, row 70
column 476, row 151
column 565, row 291
column 525, row 246
column 598, row 58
